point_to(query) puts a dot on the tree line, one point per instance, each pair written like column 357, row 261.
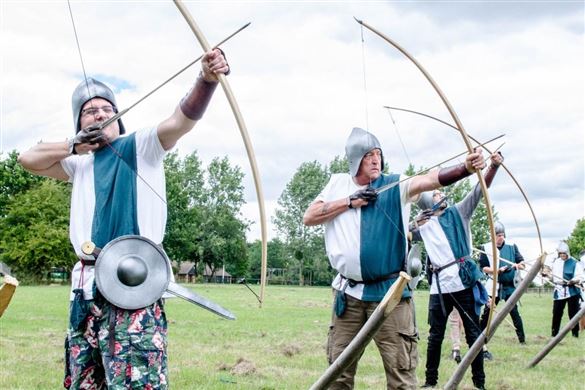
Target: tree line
column 204, row 226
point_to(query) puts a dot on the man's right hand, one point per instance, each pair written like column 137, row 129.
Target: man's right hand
column 369, row 194
column 424, row 216
column 91, row 136
column 573, row 281
column 362, row 197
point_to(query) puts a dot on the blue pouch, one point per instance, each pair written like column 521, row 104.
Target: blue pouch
column 79, row 310
column 469, row 272
column 340, row 301
column 480, row 295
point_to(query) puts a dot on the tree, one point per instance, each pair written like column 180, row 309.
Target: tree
column 576, row 240
column 277, row 258
column 14, row 180
column 36, row 231
column 223, row 238
column 339, row 165
column 304, row 243
column 204, row 224
column 184, row 185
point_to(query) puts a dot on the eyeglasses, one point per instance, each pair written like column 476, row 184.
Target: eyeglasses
column 91, row 111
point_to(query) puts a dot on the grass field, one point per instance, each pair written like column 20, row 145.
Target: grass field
column 281, row 346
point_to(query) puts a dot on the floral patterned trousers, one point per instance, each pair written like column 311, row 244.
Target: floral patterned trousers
column 118, row 349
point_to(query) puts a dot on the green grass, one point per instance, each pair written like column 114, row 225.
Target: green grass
column 281, row 346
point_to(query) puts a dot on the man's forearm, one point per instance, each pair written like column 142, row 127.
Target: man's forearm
column 43, row 155
column 195, row 103
column 321, row 212
column 490, row 174
column 453, row 174
column 190, row 109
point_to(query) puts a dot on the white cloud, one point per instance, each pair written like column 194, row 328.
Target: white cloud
column 297, row 74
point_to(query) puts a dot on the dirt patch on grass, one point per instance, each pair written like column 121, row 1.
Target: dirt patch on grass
column 290, row 350
column 242, row 367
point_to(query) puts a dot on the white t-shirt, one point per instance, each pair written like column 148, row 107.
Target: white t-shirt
column 342, row 233
column 558, row 270
column 438, row 249
column 151, row 210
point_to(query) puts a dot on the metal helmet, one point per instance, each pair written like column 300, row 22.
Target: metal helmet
column 358, row 144
column 500, row 229
column 425, row 201
column 563, row 248
column 88, row 90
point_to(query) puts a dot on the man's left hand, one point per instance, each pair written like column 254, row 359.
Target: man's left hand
column 474, row 161
column 212, row 64
column 497, row 159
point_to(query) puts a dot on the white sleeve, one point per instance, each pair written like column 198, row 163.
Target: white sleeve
column 405, row 190
column 69, row 165
column 579, row 271
column 148, row 146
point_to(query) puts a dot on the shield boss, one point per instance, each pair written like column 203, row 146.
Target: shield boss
column 132, row 272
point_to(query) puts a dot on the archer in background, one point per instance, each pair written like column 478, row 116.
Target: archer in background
column 107, row 346
column 566, row 274
column 511, row 262
column 365, row 239
column 445, row 231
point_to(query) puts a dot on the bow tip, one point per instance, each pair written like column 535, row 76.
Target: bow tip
column 358, row 20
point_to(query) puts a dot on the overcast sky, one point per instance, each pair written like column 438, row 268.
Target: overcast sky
column 298, row 74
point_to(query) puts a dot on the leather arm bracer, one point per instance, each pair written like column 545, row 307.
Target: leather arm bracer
column 194, row 104
column 453, row 174
column 491, row 173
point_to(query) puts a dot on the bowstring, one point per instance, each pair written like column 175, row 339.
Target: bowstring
column 107, row 142
column 400, row 230
column 399, row 137
column 80, row 55
column 365, row 84
column 366, row 111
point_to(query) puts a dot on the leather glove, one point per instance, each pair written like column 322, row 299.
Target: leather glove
column 92, row 134
column 424, row 216
column 369, row 194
